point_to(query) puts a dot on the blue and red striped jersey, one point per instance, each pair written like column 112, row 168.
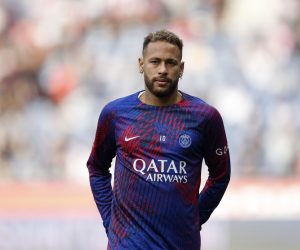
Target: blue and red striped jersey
column 155, row 201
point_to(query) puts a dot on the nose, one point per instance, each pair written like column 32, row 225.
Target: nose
column 162, row 69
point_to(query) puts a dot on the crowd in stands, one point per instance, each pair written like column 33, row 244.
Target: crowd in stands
column 61, row 61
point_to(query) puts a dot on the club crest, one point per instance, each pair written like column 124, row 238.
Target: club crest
column 185, row 141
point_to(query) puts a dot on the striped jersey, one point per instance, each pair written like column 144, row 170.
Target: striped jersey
column 155, row 201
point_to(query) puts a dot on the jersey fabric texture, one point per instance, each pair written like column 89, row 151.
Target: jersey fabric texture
column 155, row 201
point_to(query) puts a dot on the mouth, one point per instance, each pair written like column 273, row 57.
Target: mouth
column 162, row 81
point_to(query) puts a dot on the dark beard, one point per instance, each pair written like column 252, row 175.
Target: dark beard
column 172, row 87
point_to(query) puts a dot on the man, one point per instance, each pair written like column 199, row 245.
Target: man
column 159, row 137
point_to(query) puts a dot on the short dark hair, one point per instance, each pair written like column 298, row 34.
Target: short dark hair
column 163, row 35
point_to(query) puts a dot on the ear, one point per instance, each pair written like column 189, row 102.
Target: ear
column 182, row 68
column 141, row 64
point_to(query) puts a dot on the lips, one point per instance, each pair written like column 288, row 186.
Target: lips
column 162, row 80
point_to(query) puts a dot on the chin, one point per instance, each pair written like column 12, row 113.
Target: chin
column 162, row 93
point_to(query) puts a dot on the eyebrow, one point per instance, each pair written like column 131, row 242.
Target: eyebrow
column 167, row 59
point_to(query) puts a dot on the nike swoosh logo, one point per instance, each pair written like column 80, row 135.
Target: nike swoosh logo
column 131, row 138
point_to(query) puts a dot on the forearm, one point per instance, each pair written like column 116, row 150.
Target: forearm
column 102, row 192
column 211, row 195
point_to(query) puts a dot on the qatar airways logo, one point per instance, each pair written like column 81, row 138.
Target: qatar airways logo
column 162, row 170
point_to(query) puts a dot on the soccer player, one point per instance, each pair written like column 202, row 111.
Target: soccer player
column 160, row 137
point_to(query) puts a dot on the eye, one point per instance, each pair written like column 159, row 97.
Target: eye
column 154, row 61
column 172, row 62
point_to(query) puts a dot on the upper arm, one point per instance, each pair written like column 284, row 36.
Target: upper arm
column 216, row 154
column 104, row 145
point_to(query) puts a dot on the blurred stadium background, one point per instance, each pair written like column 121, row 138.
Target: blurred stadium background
column 62, row 60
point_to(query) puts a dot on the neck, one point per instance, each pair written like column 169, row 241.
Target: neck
column 148, row 98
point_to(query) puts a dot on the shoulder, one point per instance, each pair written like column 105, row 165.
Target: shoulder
column 200, row 107
column 120, row 104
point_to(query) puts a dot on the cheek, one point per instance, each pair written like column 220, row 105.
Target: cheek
column 149, row 70
column 175, row 72
column 147, row 78
column 149, row 73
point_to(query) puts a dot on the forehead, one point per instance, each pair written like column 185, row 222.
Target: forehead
column 161, row 49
